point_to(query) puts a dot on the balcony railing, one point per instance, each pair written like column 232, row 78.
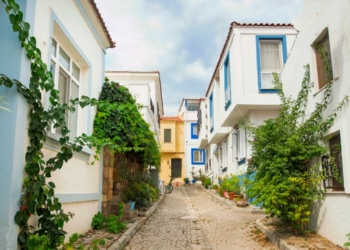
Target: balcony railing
column 333, row 171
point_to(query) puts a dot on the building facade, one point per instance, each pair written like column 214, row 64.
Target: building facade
column 195, row 156
column 172, row 148
column 73, row 40
column 326, row 23
column 241, row 90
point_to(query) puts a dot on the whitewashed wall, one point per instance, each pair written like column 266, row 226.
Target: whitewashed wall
column 331, row 217
column 77, row 183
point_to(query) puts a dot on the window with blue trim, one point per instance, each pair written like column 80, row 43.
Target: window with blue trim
column 227, row 81
column 197, row 156
column 194, row 130
column 271, row 56
column 211, row 110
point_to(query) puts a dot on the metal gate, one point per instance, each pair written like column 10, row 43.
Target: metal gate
column 176, row 165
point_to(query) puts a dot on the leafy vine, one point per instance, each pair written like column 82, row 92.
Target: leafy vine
column 286, row 152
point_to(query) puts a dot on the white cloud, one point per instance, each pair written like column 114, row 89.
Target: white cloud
column 182, row 39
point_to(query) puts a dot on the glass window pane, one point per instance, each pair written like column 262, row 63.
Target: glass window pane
column 270, row 56
column 62, row 87
column 192, row 106
column 64, row 59
column 53, row 47
column 76, row 71
column 53, row 69
column 73, row 120
column 195, row 130
column 167, row 135
column 196, row 156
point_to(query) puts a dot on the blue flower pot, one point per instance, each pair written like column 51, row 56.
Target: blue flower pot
column 132, row 205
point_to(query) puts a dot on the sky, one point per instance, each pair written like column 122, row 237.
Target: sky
column 182, row 39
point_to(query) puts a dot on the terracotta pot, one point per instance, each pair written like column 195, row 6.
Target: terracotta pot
column 225, row 194
column 231, row 195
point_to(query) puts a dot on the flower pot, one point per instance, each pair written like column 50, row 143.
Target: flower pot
column 231, row 195
column 186, row 182
column 132, row 205
column 225, row 194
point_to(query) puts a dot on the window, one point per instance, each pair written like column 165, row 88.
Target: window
column 167, row 135
column 227, row 81
column 194, row 130
column 198, row 156
column 211, row 110
column 325, row 75
column 66, row 75
column 271, row 55
column 240, row 146
column 332, row 166
column 192, row 106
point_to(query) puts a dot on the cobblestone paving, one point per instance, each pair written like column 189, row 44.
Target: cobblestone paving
column 164, row 229
column 224, row 227
column 189, row 218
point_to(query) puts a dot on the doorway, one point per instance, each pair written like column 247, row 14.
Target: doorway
column 176, row 166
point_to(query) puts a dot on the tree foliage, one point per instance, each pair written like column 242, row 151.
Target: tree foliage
column 286, row 154
column 123, row 128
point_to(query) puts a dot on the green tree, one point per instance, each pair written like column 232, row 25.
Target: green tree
column 286, row 154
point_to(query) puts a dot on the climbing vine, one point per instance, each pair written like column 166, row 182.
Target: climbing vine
column 286, row 153
column 39, row 193
column 123, row 129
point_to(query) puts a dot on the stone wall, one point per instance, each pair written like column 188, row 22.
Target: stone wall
column 116, row 169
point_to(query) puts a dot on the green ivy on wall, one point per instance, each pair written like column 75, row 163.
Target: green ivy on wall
column 124, row 128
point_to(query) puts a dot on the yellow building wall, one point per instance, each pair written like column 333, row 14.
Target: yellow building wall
column 173, row 149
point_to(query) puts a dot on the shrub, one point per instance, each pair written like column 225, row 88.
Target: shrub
column 285, row 156
column 97, row 221
column 114, row 224
column 207, row 182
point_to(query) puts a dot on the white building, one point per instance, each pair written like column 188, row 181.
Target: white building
column 73, row 40
column 146, row 87
column 195, row 157
column 241, row 89
column 326, row 22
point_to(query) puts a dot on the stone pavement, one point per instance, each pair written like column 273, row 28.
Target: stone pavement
column 189, row 218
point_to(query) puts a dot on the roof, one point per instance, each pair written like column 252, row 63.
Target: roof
column 237, row 24
column 98, row 14
column 171, row 118
column 142, row 72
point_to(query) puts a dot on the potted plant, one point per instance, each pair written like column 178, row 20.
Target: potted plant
column 207, row 183
column 186, row 180
column 233, row 187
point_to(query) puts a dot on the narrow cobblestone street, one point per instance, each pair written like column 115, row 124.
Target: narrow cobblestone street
column 189, row 218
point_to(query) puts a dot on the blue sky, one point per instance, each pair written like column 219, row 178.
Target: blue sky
column 182, row 39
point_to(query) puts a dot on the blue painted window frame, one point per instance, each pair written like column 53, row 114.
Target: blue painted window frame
column 259, row 38
column 194, row 136
column 211, row 112
column 227, row 80
column 192, row 156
